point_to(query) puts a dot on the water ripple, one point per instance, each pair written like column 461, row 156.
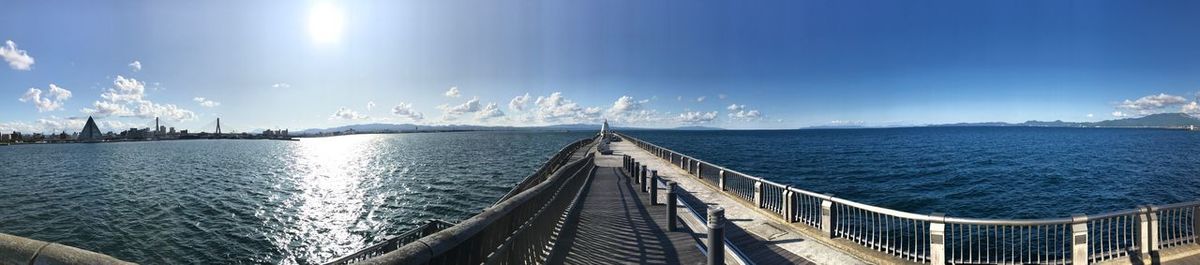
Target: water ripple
column 257, row 202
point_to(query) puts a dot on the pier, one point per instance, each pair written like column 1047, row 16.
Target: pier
column 615, row 199
column 636, row 202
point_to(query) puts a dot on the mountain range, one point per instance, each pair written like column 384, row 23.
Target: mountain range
column 1161, row 120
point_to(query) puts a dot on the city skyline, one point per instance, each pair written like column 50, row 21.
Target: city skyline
column 319, row 64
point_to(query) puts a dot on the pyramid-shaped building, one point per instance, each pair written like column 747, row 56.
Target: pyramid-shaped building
column 90, row 132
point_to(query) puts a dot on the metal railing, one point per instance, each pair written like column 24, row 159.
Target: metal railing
column 936, row 239
column 694, row 215
column 520, row 229
column 558, row 160
column 391, row 244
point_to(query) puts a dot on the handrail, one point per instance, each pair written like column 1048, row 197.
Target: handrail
column 550, row 166
column 937, row 239
column 424, row 229
column 488, row 236
column 20, row 250
column 738, row 255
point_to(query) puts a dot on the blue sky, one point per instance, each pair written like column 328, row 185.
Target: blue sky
column 766, row 64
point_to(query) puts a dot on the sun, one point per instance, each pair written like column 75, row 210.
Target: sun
column 325, row 22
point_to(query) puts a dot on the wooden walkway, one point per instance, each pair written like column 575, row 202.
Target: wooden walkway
column 617, row 225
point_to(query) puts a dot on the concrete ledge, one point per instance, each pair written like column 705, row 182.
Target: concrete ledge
column 17, row 250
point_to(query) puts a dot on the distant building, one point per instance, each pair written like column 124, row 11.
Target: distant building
column 5, row 138
column 90, row 132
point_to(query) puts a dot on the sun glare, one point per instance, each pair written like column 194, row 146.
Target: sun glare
column 325, row 22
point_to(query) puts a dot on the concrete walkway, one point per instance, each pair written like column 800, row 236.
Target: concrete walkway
column 772, row 239
column 617, row 225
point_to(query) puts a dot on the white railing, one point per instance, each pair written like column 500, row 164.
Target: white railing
column 936, row 239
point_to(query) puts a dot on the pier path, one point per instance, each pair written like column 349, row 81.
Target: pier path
column 617, row 225
column 765, row 241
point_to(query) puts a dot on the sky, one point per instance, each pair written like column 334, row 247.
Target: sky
column 731, row 64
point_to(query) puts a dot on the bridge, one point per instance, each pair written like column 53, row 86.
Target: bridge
column 630, row 201
column 619, row 199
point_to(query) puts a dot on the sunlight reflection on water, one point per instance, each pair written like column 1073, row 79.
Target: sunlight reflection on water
column 258, row 202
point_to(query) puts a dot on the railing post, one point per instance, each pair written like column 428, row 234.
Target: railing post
column 672, row 203
column 625, row 163
column 698, row 167
column 758, row 198
column 827, row 216
column 1153, row 229
column 642, row 178
column 788, row 211
column 1144, row 228
column 1079, row 239
column 1196, row 221
column 937, row 239
column 654, row 187
column 721, row 183
column 636, row 178
column 716, row 236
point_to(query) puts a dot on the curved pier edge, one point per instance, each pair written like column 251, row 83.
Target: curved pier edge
column 20, row 250
column 1169, row 234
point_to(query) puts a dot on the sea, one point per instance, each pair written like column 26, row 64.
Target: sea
column 309, row 201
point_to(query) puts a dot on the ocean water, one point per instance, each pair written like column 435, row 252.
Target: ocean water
column 981, row 172
column 260, row 201
column 305, row 202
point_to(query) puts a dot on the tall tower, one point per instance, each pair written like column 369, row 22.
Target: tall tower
column 218, row 126
column 157, row 132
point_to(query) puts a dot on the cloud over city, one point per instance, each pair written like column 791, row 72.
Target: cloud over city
column 51, row 102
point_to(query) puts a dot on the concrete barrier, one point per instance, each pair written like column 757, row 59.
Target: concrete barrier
column 15, row 250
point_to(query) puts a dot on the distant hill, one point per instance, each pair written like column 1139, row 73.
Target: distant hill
column 697, row 128
column 1161, row 120
column 388, row 128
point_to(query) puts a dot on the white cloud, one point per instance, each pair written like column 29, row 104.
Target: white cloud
column 135, row 66
column 696, row 117
column 370, row 105
column 700, row 99
column 127, row 98
column 281, row 85
column 105, row 108
column 740, row 112
column 125, row 90
column 453, row 92
column 17, row 59
column 1119, row 114
column 491, row 110
column 347, row 114
column 147, row 109
column 1151, row 104
column 1089, row 115
column 471, row 106
column 204, row 102
column 1191, row 108
column 518, row 103
column 628, row 110
column 626, row 104
column 558, row 109
column 406, row 110
column 51, row 102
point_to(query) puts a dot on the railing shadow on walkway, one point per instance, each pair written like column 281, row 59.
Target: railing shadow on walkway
column 644, row 240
